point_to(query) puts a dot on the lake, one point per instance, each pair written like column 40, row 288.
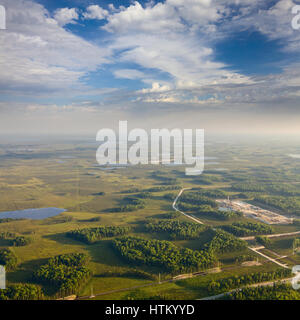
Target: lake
column 34, row 214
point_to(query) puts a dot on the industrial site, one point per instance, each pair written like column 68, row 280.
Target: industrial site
column 254, row 212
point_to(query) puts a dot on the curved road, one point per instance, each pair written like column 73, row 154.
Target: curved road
column 186, row 215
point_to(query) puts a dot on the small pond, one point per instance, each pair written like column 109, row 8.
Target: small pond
column 34, row 214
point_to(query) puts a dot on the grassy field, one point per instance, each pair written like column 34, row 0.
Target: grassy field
column 66, row 176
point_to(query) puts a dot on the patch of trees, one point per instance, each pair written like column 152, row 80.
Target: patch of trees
column 172, row 215
column 132, row 190
column 220, row 214
column 14, row 240
column 21, row 292
column 263, row 240
column 8, row 259
column 92, row 235
column 247, row 187
column 62, row 218
column 205, row 179
column 288, row 205
column 99, row 194
column 283, row 190
column 144, row 195
column 169, row 196
column 177, row 229
column 132, row 204
column 21, row 241
column 197, row 199
column 245, row 257
column 163, row 188
column 65, row 273
column 275, row 292
column 189, row 207
column 225, row 242
column 227, row 284
column 211, row 193
column 169, row 215
column 7, row 235
column 165, row 179
column 163, row 254
column 209, row 211
column 243, row 229
column 133, row 273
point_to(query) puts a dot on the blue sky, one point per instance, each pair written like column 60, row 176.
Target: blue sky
column 83, row 59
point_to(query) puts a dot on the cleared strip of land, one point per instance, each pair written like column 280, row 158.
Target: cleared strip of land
column 256, row 250
column 278, row 235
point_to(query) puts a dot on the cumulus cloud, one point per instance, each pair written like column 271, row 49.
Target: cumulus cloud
column 37, row 55
column 177, row 38
column 65, row 16
column 156, row 87
column 172, row 37
column 95, row 12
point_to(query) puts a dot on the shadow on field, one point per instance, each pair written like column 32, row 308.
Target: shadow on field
column 24, row 271
column 104, row 253
column 61, row 238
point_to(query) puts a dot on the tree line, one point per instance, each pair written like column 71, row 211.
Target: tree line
column 287, row 204
column 8, row 259
column 276, row 292
column 225, row 242
column 223, row 285
column 177, row 229
column 197, row 199
column 163, row 254
column 22, row 292
column 131, row 204
column 243, row 229
column 92, row 235
column 153, row 189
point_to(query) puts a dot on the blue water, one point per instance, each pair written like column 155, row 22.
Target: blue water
column 34, row 214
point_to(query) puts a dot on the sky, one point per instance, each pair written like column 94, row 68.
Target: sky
column 74, row 67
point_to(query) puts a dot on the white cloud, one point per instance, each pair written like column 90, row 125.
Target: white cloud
column 37, row 55
column 65, row 16
column 129, row 74
column 95, row 12
column 177, row 37
column 156, row 87
column 135, row 18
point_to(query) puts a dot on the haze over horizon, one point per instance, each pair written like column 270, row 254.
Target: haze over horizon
column 74, row 67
